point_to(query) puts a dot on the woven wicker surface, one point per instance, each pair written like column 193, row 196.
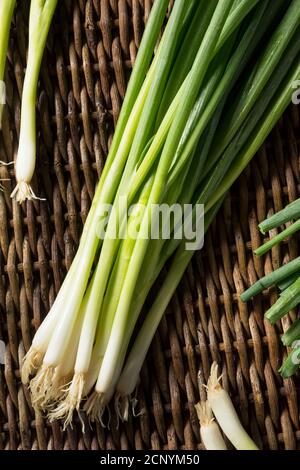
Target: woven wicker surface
column 90, row 51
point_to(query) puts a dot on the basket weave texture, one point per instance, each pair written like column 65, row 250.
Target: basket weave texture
column 90, row 52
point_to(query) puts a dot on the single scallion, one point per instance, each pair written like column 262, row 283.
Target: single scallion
column 292, row 334
column 41, row 13
column 291, row 363
column 290, row 212
column 288, row 299
column 225, row 413
column 276, row 277
column 209, row 429
column 293, row 228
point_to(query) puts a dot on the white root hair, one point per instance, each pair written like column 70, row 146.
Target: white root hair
column 23, row 191
column 32, row 361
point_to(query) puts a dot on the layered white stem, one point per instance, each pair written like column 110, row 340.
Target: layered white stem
column 212, row 437
column 40, row 18
column 71, row 305
column 225, row 413
column 50, row 384
column 68, row 386
column 209, row 430
column 90, row 314
column 26, row 158
column 94, row 369
column 34, row 357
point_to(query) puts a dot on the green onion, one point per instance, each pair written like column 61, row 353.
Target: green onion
column 131, row 370
column 225, row 413
column 276, row 277
column 41, row 13
column 6, row 12
column 209, row 430
column 291, row 364
column 234, row 68
column 194, row 38
column 291, row 211
column 292, row 334
column 288, row 299
column 285, row 283
column 293, row 228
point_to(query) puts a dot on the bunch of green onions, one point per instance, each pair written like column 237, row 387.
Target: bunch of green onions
column 287, row 279
column 41, row 14
column 197, row 109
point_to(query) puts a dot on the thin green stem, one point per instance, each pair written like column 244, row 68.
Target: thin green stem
column 290, row 212
column 291, row 364
column 287, row 282
column 292, row 334
column 194, row 37
column 262, row 130
column 288, row 300
column 271, row 279
column 259, row 77
column 293, row 228
column 112, row 240
column 233, row 70
column 141, row 66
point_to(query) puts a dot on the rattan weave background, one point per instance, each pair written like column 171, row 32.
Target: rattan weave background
column 85, row 70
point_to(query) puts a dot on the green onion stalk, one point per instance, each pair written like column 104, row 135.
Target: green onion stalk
column 292, row 334
column 211, row 436
column 41, row 14
column 6, row 12
column 261, row 73
column 197, row 171
column 225, row 413
column 293, row 228
column 291, row 363
column 288, row 281
column 281, row 274
column 288, row 299
column 290, row 212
